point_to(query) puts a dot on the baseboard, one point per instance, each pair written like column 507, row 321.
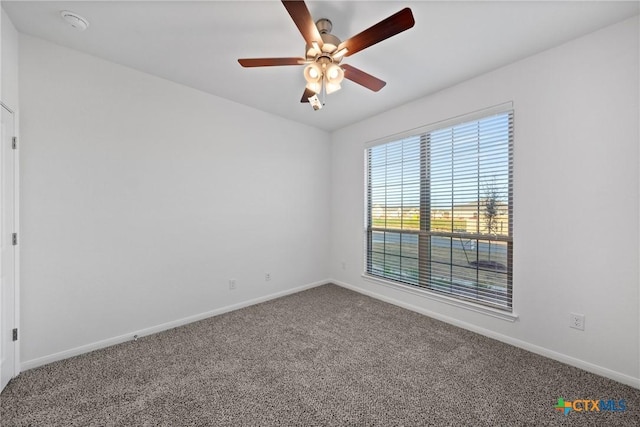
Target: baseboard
column 542, row 351
column 40, row 361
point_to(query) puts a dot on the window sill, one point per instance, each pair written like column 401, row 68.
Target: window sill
column 434, row 296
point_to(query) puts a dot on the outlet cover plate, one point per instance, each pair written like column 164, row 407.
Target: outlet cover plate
column 576, row 321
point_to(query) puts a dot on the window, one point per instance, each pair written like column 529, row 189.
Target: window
column 439, row 210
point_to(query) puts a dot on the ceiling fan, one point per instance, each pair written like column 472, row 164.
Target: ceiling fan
column 324, row 51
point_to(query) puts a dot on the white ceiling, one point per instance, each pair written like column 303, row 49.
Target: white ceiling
column 197, row 44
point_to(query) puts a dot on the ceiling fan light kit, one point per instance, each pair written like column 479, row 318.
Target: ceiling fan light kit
column 324, row 52
column 323, row 74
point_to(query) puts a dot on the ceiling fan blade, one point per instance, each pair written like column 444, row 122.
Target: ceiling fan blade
column 384, row 29
column 362, row 78
column 303, row 20
column 270, row 62
column 308, row 93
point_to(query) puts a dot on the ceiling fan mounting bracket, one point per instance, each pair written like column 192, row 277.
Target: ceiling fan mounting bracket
column 316, row 52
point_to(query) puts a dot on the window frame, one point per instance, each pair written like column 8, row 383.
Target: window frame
column 425, row 232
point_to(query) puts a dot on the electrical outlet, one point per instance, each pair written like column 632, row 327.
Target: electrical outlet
column 343, row 265
column 267, row 277
column 232, row 284
column 576, row 321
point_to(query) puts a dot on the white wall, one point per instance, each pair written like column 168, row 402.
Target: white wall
column 141, row 198
column 575, row 206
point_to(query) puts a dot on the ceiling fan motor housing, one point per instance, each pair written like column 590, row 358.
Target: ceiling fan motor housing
column 330, row 43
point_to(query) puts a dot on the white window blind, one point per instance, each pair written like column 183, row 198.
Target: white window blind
column 439, row 210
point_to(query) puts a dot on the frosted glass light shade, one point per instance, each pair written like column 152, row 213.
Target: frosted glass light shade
column 313, row 73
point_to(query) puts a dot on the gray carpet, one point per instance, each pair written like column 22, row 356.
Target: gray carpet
column 326, row 356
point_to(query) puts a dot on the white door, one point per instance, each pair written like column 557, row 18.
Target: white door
column 7, row 260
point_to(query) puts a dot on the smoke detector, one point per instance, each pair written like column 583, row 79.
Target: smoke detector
column 75, row 20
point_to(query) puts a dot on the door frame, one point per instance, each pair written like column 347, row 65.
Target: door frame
column 16, row 222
